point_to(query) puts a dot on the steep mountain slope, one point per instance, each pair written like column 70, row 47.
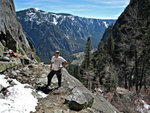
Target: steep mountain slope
column 123, row 55
column 11, row 31
column 50, row 31
column 129, row 34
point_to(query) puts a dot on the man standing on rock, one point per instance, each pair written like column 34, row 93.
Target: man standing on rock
column 55, row 68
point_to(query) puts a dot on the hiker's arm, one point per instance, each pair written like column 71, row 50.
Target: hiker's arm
column 65, row 63
column 51, row 66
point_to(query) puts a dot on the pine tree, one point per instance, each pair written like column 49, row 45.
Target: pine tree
column 110, row 46
column 87, row 58
column 145, row 62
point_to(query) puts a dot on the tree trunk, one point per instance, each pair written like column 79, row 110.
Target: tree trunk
column 143, row 68
column 130, row 79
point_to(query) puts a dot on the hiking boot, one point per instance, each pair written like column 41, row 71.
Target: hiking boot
column 48, row 87
column 58, row 88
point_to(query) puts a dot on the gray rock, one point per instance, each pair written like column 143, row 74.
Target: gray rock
column 122, row 91
column 25, row 74
column 99, row 104
column 6, row 65
column 2, row 96
column 17, row 71
column 11, row 82
column 1, row 49
column 14, row 73
column 1, row 87
column 4, row 59
column 30, row 66
column 11, row 30
column 25, row 69
column 79, row 100
column 58, row 111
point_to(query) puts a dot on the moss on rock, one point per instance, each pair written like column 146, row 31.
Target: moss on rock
column 1, row 49
column 7, row 65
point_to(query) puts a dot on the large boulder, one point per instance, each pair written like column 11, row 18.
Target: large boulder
column 7, row 59
column 80, row 97
column 79, row 100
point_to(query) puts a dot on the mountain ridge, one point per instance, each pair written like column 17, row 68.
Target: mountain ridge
column 51, row 31
column 67, row 14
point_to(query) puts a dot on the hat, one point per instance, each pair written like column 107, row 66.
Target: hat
column 57, row 51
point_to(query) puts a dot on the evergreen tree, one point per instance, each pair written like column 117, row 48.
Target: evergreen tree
column 145, row 56
column 87, row 58
column 110, row 46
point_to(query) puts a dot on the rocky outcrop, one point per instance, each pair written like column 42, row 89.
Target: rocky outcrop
column 124, row 100
column 6, row 65
column 11, row 32
column 79, row 100
column 75, row 96
column 128, row 102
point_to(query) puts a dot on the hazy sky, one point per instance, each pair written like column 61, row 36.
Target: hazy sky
column 84, row 8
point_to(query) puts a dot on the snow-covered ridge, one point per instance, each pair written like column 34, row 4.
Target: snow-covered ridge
column 19, row 97
column 39, row 16
column 37, row 9
column 106, row 25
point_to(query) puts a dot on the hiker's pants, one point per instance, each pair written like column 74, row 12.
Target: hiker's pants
column 51, row 74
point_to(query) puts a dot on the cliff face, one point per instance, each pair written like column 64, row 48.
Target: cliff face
column 11, row 31
column 128, row 34
column 123, row 57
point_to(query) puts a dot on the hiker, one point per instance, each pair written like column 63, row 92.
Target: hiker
column 55, row 68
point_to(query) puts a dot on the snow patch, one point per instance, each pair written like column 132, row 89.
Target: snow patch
column 106, row 25
column 19, row 99
column 39, row 22
column 37, row 9
column 71, row 18
column 30, row 16
column 54, row 21
column 3, row 81
column 145, row 108
column 57, row 16
column 43, row 95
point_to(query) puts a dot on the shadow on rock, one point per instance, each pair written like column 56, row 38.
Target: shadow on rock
column 45, row 89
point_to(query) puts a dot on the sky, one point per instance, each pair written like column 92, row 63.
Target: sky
column 103, row 9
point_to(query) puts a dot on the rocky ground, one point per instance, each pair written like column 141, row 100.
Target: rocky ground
column 128, row 101
column 72, row 97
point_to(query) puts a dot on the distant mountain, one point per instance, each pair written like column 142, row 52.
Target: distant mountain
column 50, row 31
